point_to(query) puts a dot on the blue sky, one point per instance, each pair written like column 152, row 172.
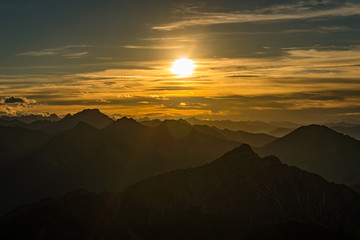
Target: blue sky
column 256, row 60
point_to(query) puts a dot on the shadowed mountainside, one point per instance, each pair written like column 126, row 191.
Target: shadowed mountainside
column 240, row 195
column 247, row 126
column 106, row 159
column 16, row 142
column 320, row 150
column 253, row 139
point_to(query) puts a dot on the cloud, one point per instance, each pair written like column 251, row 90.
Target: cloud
column 18, row 100
column 65, row 51
column 153, row 47
column 76, row 55
column 45, row 52
column 278, row 13
column 16, row 105
column 14, row 100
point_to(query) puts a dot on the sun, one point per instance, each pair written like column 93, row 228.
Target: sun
column 183, row 67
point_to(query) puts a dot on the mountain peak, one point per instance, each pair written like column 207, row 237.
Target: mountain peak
column 126, row 119
column 314, row 127
column 243, row 149
column 243, row 157
column 177, row 128
column 89, row 111
column 125, row 122
column 320, row 150
column 91, row 116
column 313, row 132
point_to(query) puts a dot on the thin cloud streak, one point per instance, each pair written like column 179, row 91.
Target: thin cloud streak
column 66, row 51
column 202, row 19
column 153, row 47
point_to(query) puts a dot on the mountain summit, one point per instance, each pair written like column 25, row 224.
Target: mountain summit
column 320, row 150
column 91, row 116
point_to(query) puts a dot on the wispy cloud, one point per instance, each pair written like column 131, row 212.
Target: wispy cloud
column 70, row 51
column 76, row 55
column 45, row 52
column 278, row 13
column 152, row 47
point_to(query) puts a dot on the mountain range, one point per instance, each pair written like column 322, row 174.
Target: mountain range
column 27, row 119
column 40, row 164
column 238, row 196
column 89, row 150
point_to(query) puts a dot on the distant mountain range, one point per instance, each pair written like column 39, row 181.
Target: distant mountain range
column 31, row 118
column 238, row 196
column 97, row 159
column 248, row 126
column 254, row 139
column 53, row 124
column 99, row 120
column 320, row 150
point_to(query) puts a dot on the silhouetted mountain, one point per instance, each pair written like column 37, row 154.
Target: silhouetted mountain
column 12, row 123
column 31, row 118
column 281, row 131
column 42, row 125
column 80, row 157
column 320, row 150
column 16, row 141
column 107, row 159
column 247, row 126
column 253, row 139
column 239, row 196
column 91, row 116
column 171, row 145
column 353, row 131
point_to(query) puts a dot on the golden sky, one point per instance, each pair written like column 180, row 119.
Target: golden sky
column 297, row 61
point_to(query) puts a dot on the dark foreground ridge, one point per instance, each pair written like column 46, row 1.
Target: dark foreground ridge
column 240, row 195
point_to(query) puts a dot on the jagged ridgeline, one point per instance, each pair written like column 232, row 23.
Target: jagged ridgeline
column 96, row 153
column 238, row 196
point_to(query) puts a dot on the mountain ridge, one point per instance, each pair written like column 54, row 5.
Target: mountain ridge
column 321, row 150
column 218, row 200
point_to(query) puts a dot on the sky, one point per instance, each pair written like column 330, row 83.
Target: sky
column 271, row 60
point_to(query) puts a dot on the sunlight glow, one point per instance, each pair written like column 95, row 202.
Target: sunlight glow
column 183, row 67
